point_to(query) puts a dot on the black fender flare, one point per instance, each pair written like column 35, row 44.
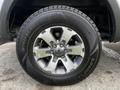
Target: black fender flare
column 7, row 6
column 5, row 11
column 114, row 6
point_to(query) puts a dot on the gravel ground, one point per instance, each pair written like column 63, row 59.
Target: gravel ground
column 105, row 77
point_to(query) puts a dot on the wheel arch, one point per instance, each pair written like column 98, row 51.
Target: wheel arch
column 8, row 5
column 6, row 8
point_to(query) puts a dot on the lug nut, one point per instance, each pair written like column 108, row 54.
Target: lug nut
column 63, row 56
column 61, row 45
column 51, row 51
column 65, row 60
column 63, row 41
column 54, row 61
column 51, row 42
column 54, row 46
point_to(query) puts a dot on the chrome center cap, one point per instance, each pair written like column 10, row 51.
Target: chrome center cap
column 59, row 51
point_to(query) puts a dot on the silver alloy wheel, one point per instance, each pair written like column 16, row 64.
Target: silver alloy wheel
column 58, row 50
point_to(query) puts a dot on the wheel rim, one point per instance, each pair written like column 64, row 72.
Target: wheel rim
column 58, row 50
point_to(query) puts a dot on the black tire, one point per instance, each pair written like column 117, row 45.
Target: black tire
column 59, row 15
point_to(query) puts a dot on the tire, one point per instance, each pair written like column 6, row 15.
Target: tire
column 58, row 15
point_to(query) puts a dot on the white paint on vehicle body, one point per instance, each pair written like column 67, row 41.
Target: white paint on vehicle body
column 118, row 1
column 1, row 3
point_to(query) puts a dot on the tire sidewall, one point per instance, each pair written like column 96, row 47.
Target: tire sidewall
column 56, row 18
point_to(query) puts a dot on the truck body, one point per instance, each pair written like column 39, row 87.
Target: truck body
column 77, row 28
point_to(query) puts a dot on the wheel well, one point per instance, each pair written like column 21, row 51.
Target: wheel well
column 97, row 10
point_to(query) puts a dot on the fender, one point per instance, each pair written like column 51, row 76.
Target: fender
column 115, row 10
column 7, row 5
column 5, row 9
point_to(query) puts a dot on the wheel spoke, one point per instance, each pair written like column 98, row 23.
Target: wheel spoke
column 60, row 57
column 52, row 65
column 41, row 52
column 67, row 34
column 68, row 64
column 76, row 50
column 47, row 37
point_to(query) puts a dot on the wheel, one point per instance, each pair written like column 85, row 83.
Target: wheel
column 58, row 45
